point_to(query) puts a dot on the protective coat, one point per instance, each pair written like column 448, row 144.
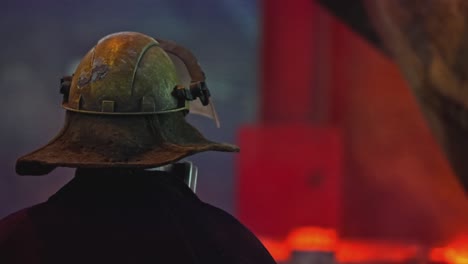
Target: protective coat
column 131, row 216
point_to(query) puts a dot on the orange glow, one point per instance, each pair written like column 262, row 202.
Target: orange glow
column 278, row 250
column 325, row 240
column 312, row 239
column 365, row 251
column 450, row 255
column 455, row 253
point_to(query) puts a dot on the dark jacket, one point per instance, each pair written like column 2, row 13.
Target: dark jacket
column 104, row 216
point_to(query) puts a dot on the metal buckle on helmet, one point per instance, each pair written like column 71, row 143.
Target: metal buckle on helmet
column 196, row 90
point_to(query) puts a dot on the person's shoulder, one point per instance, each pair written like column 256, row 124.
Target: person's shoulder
column 223, row 218
column 243, row 243
column 12, row 223
column 17, row 238
column 10, row 229
column 18, row 224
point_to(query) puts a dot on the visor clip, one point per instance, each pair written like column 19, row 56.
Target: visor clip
column 65, row 84
column 196, row 90
column 200, row 90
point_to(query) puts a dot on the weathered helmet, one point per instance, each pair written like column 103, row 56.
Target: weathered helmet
column 126, row 107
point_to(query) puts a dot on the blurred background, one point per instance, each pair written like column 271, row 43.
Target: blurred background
column 332, row 141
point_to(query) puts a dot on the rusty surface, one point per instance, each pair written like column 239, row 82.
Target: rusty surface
column 124, row 68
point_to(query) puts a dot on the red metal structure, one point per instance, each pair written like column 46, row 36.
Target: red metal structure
column 292, row 166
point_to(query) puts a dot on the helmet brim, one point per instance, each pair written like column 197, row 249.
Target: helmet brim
column 92, row 141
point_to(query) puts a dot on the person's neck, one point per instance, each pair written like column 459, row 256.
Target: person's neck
column 115, row 177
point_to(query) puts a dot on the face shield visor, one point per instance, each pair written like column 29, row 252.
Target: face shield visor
column 191, row 78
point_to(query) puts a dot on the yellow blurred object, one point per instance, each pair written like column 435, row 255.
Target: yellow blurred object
column 455, row 252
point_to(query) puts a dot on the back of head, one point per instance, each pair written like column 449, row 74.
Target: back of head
column 125, row 108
